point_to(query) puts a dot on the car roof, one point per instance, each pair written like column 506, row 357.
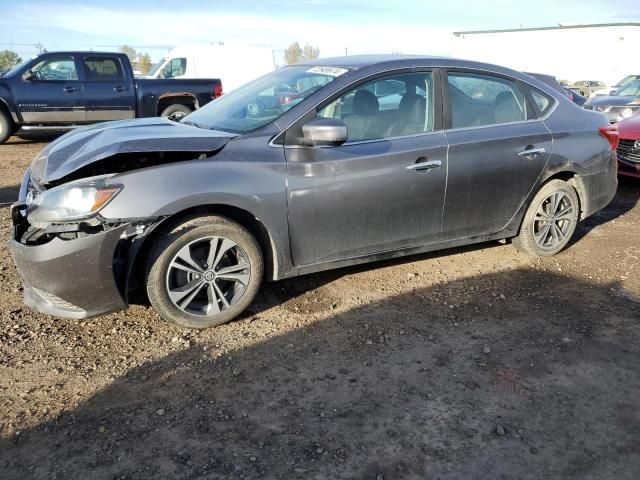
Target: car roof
column 383, row 62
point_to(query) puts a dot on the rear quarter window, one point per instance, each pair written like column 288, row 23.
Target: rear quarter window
column 542, row 101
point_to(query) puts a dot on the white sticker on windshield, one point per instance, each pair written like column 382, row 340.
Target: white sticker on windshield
column 332, row 71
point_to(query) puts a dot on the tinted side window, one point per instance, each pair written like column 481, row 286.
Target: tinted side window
column 59, row 67
column 393, row 106
column 478, row 100
column 102, row 69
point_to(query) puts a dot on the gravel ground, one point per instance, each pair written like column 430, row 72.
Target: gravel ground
column 477, row 362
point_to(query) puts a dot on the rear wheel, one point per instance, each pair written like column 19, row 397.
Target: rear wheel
column 176, row 111
column 550, row 220
column 6, row 127
column 204, row 272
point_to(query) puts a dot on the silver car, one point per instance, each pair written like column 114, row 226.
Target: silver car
column 314, row 166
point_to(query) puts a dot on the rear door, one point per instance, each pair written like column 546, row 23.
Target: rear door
column 53, row 94
column 108, row 93
column 384, row 188
column 497, row 151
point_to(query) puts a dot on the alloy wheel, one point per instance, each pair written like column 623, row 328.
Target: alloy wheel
column 207, row 276
column 554, row 220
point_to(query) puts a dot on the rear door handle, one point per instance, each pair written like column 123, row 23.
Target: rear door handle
column 532, row 152
column 71, row 89
column 428, row 165
column 119, row 88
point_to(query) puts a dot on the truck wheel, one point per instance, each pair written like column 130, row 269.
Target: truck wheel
column 204, row 272
column 177, row 111
column 6, row 127
column 550, row 220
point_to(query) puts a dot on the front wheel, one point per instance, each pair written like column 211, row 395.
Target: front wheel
column 6, row 127
column 204, row 272
column 550, row 220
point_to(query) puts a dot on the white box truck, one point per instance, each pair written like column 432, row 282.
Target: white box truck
column 233, row 65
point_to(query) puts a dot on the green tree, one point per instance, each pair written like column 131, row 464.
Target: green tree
column 144, row 63
column 296, row 54
column 129, row 52
column 9, row 59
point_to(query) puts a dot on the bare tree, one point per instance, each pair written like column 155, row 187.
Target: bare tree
column 295, row 54
column 144, row 63
column 9, row 59
column 309, row 52
column 129, row 52
column 41, row 48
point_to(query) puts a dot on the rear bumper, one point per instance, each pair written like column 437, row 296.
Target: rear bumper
column 71, row 278
column 598, row 189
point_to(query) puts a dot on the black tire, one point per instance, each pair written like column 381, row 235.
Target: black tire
column 550, row 220
column 166, row 272
column 176, row 110
column 6, row 127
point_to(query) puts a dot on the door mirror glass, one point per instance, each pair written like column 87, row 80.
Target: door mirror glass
column 28, row 75
column 326, row 132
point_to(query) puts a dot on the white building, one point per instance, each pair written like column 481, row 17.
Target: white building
column 605, row 52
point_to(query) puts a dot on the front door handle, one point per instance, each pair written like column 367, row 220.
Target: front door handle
column 119, row 88
column 71, row 89
column 531, row 153
column 427, row 165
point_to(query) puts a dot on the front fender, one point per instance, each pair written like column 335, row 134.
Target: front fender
column 7, row 103
column 255, row 187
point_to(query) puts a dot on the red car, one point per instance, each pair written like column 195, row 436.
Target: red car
column 629, row 147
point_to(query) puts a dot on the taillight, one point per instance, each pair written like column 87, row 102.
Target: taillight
column 217, row 91
column 611, row 134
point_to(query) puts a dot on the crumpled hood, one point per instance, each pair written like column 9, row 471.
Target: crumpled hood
column 90, row 144
column 611, row 100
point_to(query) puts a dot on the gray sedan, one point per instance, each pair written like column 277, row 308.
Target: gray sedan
column 314, row 166
column 621, row 104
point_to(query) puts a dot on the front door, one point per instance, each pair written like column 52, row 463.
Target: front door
column 109, row 94
column 53, row 94
column 497, row 152
column 384, row 188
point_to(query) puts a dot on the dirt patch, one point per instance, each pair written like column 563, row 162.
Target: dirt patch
column 471, row 363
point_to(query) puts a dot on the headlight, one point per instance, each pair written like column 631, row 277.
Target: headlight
column 626, row 112
column 71, row 201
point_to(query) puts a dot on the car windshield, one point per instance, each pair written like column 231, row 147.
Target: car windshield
column 630, row 89
column 263, row 100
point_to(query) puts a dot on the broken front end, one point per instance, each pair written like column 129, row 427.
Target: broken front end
column 74, row 263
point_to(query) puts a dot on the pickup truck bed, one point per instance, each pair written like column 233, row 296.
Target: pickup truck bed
column 62, row 90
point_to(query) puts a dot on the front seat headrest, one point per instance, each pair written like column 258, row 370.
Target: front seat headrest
column 507, row 108
column 413, row 108
column 365, row 103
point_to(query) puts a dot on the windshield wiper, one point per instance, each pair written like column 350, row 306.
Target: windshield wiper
column 192, row 124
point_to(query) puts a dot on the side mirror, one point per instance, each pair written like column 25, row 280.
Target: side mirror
column 28, row 75
column 326, row 132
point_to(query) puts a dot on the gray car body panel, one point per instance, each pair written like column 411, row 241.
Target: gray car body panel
column 87, row 145
column 318, row 205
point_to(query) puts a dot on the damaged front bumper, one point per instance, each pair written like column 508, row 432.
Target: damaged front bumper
column 71, row 278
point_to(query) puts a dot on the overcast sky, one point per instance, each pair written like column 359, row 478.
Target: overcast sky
column 361, row 26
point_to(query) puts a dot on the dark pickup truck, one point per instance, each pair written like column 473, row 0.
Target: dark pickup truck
column 62, row 90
